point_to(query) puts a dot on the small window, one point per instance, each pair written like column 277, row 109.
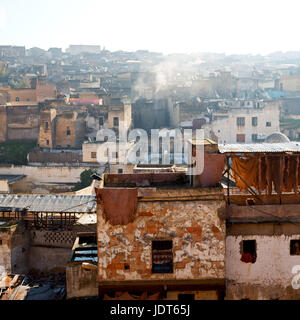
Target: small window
column 93, row 155
column 68, row 131
column 116, row 122
column 115, row 155
column 0, row 242
column 254, row 137
column 46, row 125
column 254, row 121
column 162, row 256
column 240, row 121
column 47, row 142
column 248, row 251
column 27, row 99
column 240, row 138
column 120, row 171
column 101, row 121
column 17, row 99
column 268, row 124
column 295, row 247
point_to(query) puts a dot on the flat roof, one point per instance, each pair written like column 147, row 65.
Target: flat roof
column 260, row 147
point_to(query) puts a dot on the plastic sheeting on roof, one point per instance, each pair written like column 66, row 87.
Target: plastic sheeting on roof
column 50, row 203
column 260, row 147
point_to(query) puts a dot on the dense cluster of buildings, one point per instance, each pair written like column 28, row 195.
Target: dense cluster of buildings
column 149, row 230
column 230, row 232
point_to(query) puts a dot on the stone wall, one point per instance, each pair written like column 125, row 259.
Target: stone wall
column 22, row 123
column 14, row 249
column 81, row 282
column 196, row 227
column 69, row 131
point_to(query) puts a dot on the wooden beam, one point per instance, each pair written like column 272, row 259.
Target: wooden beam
column 296, row 175
column 259, row 176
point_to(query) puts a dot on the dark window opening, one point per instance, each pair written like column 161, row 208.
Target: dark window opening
column 120, row 170
column 186, row 297
column 17, row 99
column 47, row 142
column 254, row 137
column 115, row 155
column 162, row 256
column 101, row 121
column 295, row 247
column 0, row 242
column 93, row 155
column 46, row 125
column 254, row 121
column 240, row 121
column 68, row 131
column 116, row 122
column 248, row 251
column 126, row 266
column 268, row 124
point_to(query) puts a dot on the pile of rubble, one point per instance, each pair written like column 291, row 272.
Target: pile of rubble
column 29, row 287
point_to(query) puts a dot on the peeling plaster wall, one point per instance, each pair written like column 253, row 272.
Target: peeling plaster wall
column 196, row 227
column 270, row 277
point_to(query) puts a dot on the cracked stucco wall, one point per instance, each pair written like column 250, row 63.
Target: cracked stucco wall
column 197, row 228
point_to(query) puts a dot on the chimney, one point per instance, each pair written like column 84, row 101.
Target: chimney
column 205, row 155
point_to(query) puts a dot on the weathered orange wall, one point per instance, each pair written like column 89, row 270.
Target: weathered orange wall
column 196, row 227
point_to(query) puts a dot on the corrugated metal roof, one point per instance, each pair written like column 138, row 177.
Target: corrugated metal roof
column 260, row 147
column 49, row 203
column 11, row 178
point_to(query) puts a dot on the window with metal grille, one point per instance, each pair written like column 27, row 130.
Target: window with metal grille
column 162, row 256
column 93, row 155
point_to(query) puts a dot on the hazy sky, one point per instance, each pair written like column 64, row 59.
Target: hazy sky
column 230, row 26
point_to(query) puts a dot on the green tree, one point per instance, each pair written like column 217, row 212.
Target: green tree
column 85, row 180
